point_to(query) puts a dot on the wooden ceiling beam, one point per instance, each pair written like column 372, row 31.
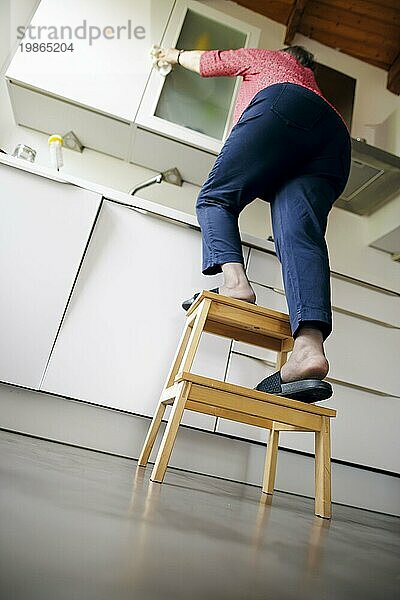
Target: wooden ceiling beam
column 339, row 17
column 366, row 54
column 393, row 80
column 277, row 10
column 370, row 45
column 294, row 20
column 365, row 29
column 365, row 8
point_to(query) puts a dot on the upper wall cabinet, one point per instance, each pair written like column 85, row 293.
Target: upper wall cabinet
column 182, row 105
column 83, row 65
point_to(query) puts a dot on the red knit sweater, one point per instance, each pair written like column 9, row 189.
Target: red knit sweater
column 259, row 68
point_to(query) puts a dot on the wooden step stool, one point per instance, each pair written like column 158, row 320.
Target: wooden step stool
column 245, row 322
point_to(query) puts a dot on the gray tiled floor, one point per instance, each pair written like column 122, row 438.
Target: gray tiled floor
column 78, row 525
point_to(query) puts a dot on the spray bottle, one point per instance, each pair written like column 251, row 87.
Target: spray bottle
column 55, row 145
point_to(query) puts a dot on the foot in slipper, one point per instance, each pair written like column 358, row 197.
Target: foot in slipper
column 188, row 303
column 306, row 390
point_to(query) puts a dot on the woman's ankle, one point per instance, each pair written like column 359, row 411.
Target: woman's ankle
column 235, row 276
column 309, row 335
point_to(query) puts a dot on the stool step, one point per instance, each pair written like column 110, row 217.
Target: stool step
column 220, row 393
column 246, row 322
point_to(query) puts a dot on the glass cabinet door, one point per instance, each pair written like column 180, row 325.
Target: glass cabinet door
column 184, row 106
column 199, row 103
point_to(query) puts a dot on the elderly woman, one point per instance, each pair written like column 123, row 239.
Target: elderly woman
column 289, row 146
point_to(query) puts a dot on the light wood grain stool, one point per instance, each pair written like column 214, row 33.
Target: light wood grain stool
column 245, row 322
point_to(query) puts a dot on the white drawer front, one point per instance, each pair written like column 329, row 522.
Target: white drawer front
column 265, row 268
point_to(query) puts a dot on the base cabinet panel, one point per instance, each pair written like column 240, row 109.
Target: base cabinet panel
column 44, row 230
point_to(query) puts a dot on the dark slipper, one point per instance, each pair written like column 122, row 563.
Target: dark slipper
column 306, row 390
column 188, row 303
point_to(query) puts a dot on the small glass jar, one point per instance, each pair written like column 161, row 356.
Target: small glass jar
column 25, row 152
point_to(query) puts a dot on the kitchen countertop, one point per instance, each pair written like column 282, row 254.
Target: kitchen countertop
column 157, row 210
column 134, row 202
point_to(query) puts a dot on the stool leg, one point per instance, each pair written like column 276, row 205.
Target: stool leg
column 281, row 356
column 281, row 359
column 323, row 470
column 180, row 351
column 171, row 430
column 189, row 342
column 270, row 462
column 151, row 435
column 194, row 340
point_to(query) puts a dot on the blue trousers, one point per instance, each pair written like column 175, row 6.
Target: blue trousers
column 291, row 149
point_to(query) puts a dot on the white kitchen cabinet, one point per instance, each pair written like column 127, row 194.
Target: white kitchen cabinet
column 183, row 106
column 125, row 319
column 95, row 90
column 360, row 351
column 161, row 153
column 368, row 302
column 44, row 230
column 361, row 444
column 265, row 269
column 365, row 326
column 46, row 113
column 270, row 299
column 364, row 444
column 245, row 371
column 347, row 294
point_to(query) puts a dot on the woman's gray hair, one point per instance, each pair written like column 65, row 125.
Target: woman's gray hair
column 304, row 57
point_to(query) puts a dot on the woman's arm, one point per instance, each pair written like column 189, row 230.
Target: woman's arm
column 216, row 63
column 190, row 59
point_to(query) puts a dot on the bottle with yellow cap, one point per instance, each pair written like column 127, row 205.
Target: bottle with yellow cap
column 55, row 145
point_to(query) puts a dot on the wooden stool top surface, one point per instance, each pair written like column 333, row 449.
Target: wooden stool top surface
column 246, row 322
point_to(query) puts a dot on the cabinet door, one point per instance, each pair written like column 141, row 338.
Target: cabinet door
column 376, row 305
column 109, row 65
column 270, row 299
column 357, row 431
column 47, row 114
column 183, row 105
column 245, row 371
column 365, row 430
column 362, row 348
column 360, row 352
column 44, row 230
column 364, row 353
column 265, row 268
column 125, row 319
column 159, row 153
column 95, row 89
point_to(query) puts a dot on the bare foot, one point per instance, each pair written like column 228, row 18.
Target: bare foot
column 240, row 292
column 236, row 284
column 307, row 360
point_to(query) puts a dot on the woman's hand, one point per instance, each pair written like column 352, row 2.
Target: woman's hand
column 190, row 59
column 169, row 55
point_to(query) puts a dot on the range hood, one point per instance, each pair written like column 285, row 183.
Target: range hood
column 374, row 179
